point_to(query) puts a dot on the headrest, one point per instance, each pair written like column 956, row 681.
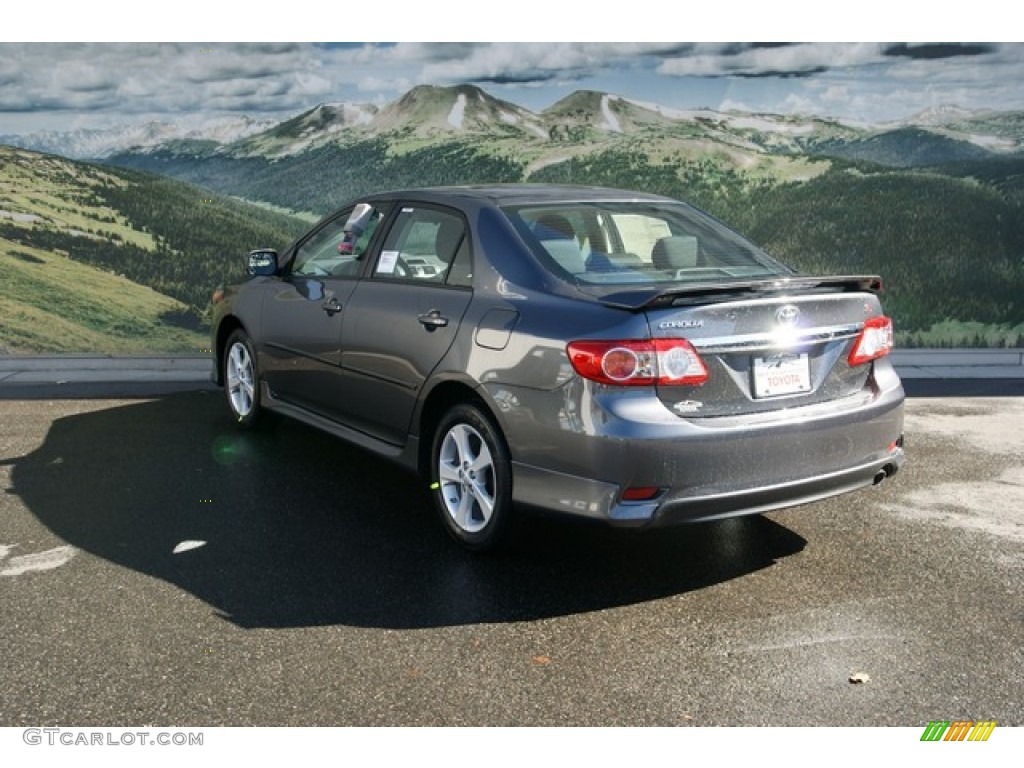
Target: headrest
column 675, row 252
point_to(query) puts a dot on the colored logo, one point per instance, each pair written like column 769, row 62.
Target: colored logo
column 958, row 730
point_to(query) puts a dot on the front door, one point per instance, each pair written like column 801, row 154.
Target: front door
column 303, row 314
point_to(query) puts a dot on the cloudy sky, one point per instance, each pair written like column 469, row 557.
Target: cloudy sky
column 62, row 86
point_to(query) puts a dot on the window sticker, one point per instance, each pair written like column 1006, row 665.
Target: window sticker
column 388, row 260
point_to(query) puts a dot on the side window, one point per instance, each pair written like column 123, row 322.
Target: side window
column 334, row 250
column 422, row 245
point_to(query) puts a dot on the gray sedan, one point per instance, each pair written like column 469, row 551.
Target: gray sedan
column 606, row 354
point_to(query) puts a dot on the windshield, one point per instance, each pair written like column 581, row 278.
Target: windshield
column 638, row 242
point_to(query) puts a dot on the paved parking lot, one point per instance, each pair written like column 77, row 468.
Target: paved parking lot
column 158, row 567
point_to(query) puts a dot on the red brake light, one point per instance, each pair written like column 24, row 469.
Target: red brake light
column 875, row 341
column 638, row 363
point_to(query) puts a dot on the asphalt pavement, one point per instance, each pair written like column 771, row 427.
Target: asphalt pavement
column 158, row 566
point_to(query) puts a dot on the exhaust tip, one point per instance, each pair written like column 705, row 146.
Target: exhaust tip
column 887, row 471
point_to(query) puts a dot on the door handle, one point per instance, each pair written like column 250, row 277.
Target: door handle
column 331, row 306
column 433, row 319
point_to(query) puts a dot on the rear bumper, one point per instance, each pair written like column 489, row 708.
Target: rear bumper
column 702, row 469
column 765, row 499
column 583, row 497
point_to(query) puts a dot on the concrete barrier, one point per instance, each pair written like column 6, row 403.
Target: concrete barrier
column 50, row 369
column 959, row 363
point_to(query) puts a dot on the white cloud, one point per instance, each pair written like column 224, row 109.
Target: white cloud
column 751, row 61
column 865, row 80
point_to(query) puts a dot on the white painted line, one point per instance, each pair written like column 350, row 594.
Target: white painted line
column 40, row 561
column 186, row 545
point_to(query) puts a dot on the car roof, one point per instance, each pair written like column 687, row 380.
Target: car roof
column 519, row 194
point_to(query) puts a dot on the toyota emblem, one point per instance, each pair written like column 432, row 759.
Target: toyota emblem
column 788, row 315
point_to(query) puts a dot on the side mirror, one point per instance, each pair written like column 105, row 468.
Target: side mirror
column 262, row 262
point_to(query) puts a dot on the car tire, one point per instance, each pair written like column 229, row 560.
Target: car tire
column 471, row 479
column 241, row 380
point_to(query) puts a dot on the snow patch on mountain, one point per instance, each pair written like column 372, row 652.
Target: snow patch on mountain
column 458, row 112
column 330, row 118
column 227, row 129
column 993, row 143
column 940, row 115
column 767, row 125
column 611, row 122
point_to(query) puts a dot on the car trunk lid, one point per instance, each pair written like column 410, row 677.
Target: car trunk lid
column 767, row 346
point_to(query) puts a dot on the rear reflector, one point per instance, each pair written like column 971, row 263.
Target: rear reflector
column 638, row 363
column 640, row 493
column 875, row 341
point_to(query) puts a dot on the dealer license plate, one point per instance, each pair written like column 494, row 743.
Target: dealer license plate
column 781, row 375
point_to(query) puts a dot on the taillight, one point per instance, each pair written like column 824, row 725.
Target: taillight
column 638, row 363
column 875, row 341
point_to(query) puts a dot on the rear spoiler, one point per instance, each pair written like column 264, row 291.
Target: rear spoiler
column 649, row 297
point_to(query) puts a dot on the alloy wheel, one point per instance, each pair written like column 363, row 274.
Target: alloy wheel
column 241, row 379
column 467, row 478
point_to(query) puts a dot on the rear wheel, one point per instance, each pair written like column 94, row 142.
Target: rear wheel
column 471, row 478
column 241, row 382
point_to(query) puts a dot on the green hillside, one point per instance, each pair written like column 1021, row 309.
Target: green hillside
column 107, row 260
column 902, row 148
column 51, row 303
column 949, row 247
column 320, row 180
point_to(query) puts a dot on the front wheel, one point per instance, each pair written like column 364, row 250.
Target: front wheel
column 241, row 382
column 471, row 478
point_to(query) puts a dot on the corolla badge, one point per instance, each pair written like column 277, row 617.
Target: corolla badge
column 681, row 324
column 788, row 315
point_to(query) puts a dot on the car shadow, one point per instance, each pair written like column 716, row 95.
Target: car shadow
column 285, row 526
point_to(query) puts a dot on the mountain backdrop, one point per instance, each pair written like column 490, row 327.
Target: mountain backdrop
column 932, row 203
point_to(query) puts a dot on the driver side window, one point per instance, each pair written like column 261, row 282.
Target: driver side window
column 334, row 251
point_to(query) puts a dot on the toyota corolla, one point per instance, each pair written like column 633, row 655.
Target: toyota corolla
column 602, row 353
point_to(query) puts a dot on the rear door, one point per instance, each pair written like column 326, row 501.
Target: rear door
column 402, row 319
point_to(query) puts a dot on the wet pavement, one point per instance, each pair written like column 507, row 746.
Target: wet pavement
column 159, row 567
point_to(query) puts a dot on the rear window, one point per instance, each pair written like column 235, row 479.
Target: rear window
column 633, row 242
